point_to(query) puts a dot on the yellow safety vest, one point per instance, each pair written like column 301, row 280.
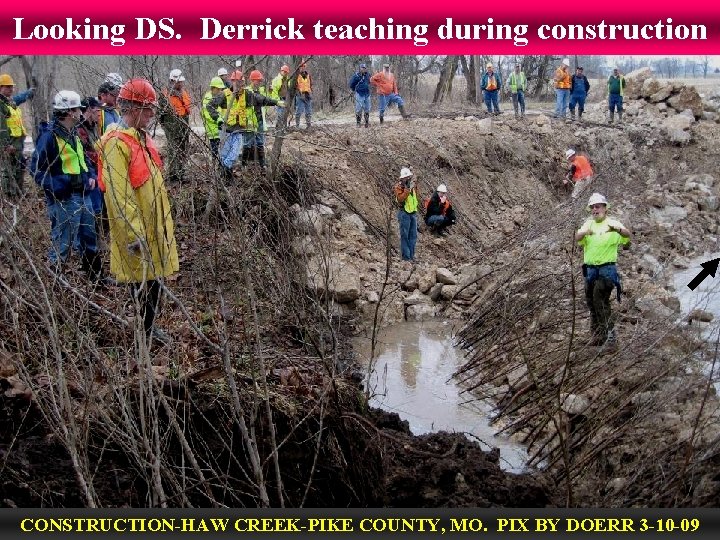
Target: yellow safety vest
column 237, row 116
column 14, row 121
column 72, row 159
column 411, row 203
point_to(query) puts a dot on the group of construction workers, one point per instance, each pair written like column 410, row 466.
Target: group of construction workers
column 95, row 162
column 572, row 90
column 94, row 158
column 386, row 89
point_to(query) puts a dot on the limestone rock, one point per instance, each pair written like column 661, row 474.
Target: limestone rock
column 420, row 312
column 688, row 98
column 485, row 126
column 445, row 276
column 333, row 277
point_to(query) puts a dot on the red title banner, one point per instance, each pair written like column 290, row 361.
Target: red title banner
column 400, row 27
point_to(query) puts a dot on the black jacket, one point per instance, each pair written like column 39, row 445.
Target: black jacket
column 434, row 209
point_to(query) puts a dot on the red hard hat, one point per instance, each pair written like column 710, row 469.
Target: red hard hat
column 285, row 69
column 237, row 75
column 139, row 91
column 256, row 75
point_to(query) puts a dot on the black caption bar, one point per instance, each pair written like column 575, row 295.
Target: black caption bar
column 488, row 524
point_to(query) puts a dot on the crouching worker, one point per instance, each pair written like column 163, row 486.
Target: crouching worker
column 600, row 236
column 439, row 213
column 61, row 168
column 142, row 240
column 580, row 173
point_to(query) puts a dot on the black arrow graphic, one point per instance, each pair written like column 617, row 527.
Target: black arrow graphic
column 709, row 269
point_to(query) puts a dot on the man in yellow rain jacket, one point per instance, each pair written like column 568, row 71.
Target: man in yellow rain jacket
column 142, row 241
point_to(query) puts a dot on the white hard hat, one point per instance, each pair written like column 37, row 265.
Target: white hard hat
column 176, row 75
column 115, row 79
column 222, row 71
column 66, row 99
column 569, row 153
column 442, row 188
column 597, row 198
column 566, row 62
column 405, row 172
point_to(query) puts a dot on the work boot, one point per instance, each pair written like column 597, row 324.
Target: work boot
column 572, row 114
column 620, row 115
column 612, row 116
column 245, row 157
column 308, row 123
column 580, row 115
column 381, row 119
column 357, row 119
column 405, row 115
column 227, row 173
column 367, row 119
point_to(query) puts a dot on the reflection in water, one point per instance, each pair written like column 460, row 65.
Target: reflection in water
column 413, row 377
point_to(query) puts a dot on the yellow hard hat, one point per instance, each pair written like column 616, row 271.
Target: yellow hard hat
column 6, row 80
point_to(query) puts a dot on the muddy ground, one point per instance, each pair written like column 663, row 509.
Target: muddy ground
column 276, row 276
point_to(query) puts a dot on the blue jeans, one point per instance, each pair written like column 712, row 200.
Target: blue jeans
column 362, row 103
column 231, row 148
column 615, row 100
column 562, row 96
column 519, row 99
column 281, row 114
column 384, row 101
column 579, row 101
column 73, row 223
column 440, row 222
column 491, row 100
column 254, row 139
column 408, row 234
column 303, row 106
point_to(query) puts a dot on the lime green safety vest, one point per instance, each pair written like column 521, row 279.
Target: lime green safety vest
column 411, row 203
column 72, row 159
column 516, row 78
column 14, row 121
column 211, row 127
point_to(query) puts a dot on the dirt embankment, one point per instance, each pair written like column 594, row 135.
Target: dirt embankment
column 252, row 405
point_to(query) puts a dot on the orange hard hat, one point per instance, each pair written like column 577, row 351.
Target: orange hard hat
column 256, row 75
column 285, row 69
column 139, row 91
column 237, row 75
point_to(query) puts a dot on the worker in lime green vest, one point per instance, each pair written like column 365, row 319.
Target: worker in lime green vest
column 12, row 139
column 600, row 237
column 407, row 200
column 518, row 84
column 212, row 127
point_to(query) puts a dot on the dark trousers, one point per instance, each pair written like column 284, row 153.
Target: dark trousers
column 148, row 297
column 597, row 296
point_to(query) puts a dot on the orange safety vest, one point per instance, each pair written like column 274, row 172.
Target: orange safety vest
column 562, row 79
column 138, row 168
column 304, row 84
column 181, row 104
column 492, row 83
column 583, row 169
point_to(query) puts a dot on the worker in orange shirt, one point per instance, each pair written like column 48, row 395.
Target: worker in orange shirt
column 387, row 92
column 175, row 119
column 580, row 172
column 563, row 82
